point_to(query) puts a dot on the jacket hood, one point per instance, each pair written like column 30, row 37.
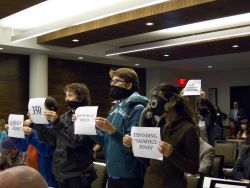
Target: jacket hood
column 135, row 98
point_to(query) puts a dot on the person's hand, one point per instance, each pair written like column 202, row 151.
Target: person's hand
column 202, row 94
column 28, row 114
column 51, row 115
column 182, row 92
column 27, row 122
column 97, row 147
column 27, row 130
column 6, row 126
column 73, row 117
column 103, row 124
column 127, row 141
column 165, row 148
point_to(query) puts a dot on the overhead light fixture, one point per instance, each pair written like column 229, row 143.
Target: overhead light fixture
column 149, row 23
column 32, row 22
column 80, row 58
column 75, row 40
column 166, row 55
column 194, row 39
column 235, row 46
column 31, row 34
column 1, row 48
column 208, row 26
column 209, row 66
column 137, row 64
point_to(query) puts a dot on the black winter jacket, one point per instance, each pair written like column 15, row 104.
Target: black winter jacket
column 73, row 153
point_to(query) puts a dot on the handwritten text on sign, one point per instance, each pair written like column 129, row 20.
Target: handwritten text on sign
column 85, row 120
column 145, row 141
column 193, row 87
column 15, row 123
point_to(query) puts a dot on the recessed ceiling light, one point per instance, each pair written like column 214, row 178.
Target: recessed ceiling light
column 149, row 23
column 166, row 55
column 75, row 40
column 80, row 58
column 1, row 48
column 235, row 46
column 208, row 28
column 66, row 14
column 209, row 66
column 137, row 64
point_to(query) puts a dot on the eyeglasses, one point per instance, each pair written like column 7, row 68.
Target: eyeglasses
column 116, row 81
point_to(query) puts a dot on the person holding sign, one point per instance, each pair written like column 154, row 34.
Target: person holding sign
column 179, row 140
column 44, row 150
column 206, row 118
column 124, row 170
column 72, row 162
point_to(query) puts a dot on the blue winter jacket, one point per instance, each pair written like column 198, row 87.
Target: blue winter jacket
column 120, row 161
column 45, row 152
column 2, row 135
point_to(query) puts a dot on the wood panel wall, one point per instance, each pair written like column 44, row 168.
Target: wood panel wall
column 94, row 75
column 14, row 84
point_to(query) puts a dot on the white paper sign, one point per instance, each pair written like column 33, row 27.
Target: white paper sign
column 193, row 87
column 36, row 109
column 85, row 120
column 145, row 141
column 15, row 123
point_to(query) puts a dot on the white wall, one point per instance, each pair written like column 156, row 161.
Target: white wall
column 222, row 80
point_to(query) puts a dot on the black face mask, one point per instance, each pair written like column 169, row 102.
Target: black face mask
column 203, row 112
column 157, row 106
column 118, row 93
column 74, row 104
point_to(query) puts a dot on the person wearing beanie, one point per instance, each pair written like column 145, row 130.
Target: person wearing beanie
column 43, row 151
column 10, row 156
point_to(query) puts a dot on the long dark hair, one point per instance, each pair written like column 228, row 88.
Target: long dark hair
column 182, row 106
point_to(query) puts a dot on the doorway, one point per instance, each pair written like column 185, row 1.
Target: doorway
column 241, row 94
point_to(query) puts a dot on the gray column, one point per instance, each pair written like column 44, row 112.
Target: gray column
column 38, row 75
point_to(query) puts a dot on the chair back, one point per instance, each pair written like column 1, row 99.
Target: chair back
column 101, row 179
column 217, row 169
column 228, row 150
column 194, row 181
column 226, row 132
column 241, row 146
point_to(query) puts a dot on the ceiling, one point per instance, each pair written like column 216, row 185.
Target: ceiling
column 127, row 30
column 10, row 7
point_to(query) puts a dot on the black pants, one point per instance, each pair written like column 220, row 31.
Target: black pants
column 75, row 182
column 125, row 183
